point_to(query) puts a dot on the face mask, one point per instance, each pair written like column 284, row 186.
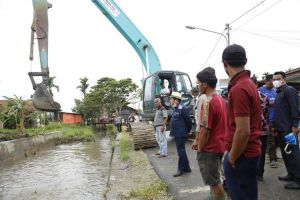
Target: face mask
column 277, row 83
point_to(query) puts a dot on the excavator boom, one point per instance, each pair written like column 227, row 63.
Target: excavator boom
column 136, row 39
column 42, row 99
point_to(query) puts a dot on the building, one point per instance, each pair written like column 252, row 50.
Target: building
column 70, row 118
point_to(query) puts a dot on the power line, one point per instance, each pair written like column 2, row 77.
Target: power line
column 274, row 38
column 248, row 11
column 213, row 49
column 268, row 8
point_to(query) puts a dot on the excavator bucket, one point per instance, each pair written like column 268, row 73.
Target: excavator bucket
column 43, row 100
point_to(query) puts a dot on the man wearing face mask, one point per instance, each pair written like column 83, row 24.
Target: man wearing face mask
column 181, row 125
column 244, row 127
column 286, row 121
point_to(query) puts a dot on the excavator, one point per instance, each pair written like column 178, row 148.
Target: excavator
column 178, row 81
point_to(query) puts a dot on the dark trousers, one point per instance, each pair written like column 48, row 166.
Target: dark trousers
column 119, row 127
column 292, row 160
column 262, row 158
column 241, row 180
column 273, row 143
column 183, row 162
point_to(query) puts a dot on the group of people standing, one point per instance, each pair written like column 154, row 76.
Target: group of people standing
column 234, row 136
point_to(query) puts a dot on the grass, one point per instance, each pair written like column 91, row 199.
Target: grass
column 153, row 191
column 126, row 146
column 71, row 132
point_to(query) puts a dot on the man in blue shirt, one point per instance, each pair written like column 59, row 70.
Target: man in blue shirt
column 181, row 125
column 269, row 90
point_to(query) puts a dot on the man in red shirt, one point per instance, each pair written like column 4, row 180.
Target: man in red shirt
column 244, row 127
column 209, row 141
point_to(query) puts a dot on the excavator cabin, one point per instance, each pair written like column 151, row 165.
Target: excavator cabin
column 154, row 85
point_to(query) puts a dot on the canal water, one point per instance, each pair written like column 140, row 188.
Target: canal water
column 69, row 171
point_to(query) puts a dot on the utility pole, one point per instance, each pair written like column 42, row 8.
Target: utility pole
column 227, row 27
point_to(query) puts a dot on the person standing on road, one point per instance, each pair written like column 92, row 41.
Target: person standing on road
column 181, row 125
column 209, row 141
column 244, row 127
column 286, row 121
column 272, row 141
column 118, row 124
column 160, row 121
column 264, row 105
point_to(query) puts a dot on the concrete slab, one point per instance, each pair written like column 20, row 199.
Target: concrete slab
column 190, row 186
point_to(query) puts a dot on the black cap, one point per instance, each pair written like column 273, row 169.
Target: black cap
column 207, row 75
column 234, row 53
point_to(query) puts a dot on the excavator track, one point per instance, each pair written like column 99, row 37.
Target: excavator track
column 143, row 135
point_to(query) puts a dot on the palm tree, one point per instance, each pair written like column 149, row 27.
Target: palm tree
column 51, row 84
column 16, row 108
column 83, row 85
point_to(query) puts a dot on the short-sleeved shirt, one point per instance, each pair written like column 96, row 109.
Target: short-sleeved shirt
column 198, row 108
column 244, row 101
column 160, row 114
column 213, row 117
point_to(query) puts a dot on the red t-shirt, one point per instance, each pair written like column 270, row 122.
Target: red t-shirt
column 243, row 101
column 213, row 117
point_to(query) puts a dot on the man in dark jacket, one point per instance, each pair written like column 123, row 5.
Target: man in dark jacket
column 286, row 121
column 181, row 125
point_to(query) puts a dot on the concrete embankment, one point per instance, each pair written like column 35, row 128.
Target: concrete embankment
column 134, row 178
column 20, row 148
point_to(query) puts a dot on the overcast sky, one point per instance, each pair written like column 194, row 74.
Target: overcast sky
column 82, row 42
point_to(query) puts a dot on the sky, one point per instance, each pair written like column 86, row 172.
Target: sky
column 83, row 43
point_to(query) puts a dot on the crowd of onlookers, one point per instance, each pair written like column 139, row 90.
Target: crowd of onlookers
column 234, row 132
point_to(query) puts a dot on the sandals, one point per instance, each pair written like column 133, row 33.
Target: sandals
column 273, row 164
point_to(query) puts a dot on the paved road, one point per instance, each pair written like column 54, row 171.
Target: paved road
column 190, row 186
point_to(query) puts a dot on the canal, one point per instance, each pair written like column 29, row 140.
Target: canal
column 69, row 171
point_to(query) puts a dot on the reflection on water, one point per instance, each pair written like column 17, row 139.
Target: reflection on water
column 72, row 171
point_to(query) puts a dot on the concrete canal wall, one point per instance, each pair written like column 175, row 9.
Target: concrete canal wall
column 20, row 148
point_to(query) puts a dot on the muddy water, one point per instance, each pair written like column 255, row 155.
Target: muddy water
column 72, row 171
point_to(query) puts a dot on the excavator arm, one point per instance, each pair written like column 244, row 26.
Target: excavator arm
column 136, row 39
column 42, row 99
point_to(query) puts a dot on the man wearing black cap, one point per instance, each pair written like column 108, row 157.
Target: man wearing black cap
column 244, row 127
column 209, row 141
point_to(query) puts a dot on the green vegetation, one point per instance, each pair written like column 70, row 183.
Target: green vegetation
column 71, row 132
column 106, row 97
column 126, row 146
column 153, row 191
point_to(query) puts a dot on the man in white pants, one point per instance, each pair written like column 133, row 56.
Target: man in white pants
column 160, row 121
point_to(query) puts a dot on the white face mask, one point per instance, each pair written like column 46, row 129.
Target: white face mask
column 277, row 83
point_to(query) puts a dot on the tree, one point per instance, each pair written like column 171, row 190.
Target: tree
column 51, row 85
column 16, row 108
column 265, row 74
column 83, row 85
column 114, row 94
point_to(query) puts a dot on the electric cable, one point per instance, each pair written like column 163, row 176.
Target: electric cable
column 273, row 38
column 268, row 8
column 213, row 49
column 248, row 11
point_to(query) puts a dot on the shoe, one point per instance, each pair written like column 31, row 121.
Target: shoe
column 293, row 185
column 162, row 156
column 157, row 154
column 188, row 170
column 287, row 177
column 224, row 185
column 178, row 173
column 273, row 164
column 260, row 178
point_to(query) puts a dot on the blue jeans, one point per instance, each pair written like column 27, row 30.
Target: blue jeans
column 161, row 139
column 183, row 162
column 241, row 180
